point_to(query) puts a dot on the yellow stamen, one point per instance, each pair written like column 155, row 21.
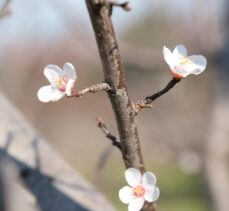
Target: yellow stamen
column 139, row 191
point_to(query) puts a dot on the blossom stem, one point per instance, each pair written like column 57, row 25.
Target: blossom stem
column 92, row 89
column 169, row 86
column 108, row 134
column 147, row 102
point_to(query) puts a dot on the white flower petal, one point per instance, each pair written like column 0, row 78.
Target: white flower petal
column 168, row 56
column 200, row 63
column 149, row 193
column 133, row 177
column 156, row 194
column 52, row 72
column 69, row 71
column 126, row 194
column 180, row 50
column 69, row 87
column 136, row 204
column 149, row 180
column 152, row 194
column 49, row 93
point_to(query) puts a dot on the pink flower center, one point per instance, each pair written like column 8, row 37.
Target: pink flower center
column 139, row 191
column 61, row 83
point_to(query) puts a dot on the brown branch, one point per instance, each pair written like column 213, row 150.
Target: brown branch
column 109, row 135
column 92, row 89
column 147, row 102
column 114, row 76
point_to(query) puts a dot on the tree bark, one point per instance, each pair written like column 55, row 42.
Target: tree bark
column 114, row 76
column 100, row 15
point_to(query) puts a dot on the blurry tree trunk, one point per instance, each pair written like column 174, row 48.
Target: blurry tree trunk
column 217, row 149
column 216, row 157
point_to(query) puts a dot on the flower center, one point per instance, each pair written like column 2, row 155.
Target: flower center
column 139, row 191
column 61, row 83
column 183, row 61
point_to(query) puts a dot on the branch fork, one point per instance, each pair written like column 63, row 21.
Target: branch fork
column 147, row 102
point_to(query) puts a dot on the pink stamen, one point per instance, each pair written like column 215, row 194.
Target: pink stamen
column 61, row 83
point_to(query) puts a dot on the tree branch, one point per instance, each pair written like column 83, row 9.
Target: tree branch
column 92, row 89
column 147, row 102
column 114, row 76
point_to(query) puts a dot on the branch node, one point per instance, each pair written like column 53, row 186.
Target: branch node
column 147, row 102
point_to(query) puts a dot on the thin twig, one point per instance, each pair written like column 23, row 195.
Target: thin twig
column 92, row 89
column 147, row 102
column 125, row 5
column 113, row 3
column 108, row 134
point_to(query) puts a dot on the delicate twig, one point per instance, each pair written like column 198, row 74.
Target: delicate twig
column 93, row 89
column 147, row 102
column 124, row 5
column 108, row 134
column 113, row 3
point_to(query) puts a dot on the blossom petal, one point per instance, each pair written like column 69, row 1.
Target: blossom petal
column 69, row 87
column 133, row 177
column 136, row 204
column 180, row 50
column 69, row 71
column 52, row 72
column 149, row 180
column 149, row 194
column 49, row 93
column 169, row 57
column 126, row 194
column 156, row 194
column 200, row 63
column 152, row 194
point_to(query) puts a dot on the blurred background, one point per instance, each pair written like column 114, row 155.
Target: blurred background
column 184, row 137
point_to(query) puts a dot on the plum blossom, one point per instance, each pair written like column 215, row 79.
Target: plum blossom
column 141, row 188
column 61, row 82
column 182, row 65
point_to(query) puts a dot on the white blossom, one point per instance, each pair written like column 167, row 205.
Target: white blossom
column 140, row 188
column 61, row 82
column 182, row 65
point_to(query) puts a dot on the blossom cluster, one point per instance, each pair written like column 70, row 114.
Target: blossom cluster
column 140, row 188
